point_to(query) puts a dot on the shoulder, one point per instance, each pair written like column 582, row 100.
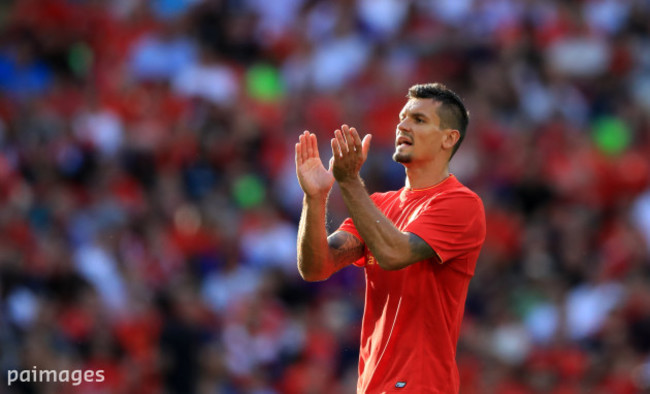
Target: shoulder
column 468, row 207
column 459, row 201
column 378, row 198
column 460, row 192
column 468, row 196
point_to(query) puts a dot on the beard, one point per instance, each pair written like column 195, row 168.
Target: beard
column 403, row 158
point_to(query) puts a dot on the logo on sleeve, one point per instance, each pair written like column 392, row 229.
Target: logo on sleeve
column 400, row 385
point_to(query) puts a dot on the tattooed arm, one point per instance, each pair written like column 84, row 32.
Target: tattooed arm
column 320, row 256
column 393, row 249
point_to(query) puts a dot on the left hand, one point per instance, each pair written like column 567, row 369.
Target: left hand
column 349, row 153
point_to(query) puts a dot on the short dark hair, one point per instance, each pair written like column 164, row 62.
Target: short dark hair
column 452, row 111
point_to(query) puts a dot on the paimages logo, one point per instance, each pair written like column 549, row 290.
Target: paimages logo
column 34, row 375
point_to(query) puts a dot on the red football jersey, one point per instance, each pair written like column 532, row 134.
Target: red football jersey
column 412, row 316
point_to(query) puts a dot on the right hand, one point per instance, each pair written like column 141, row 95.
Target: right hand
column 314, row 179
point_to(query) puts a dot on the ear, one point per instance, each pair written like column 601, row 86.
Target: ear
column 450, row 138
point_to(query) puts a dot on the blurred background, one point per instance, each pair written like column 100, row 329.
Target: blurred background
column 149, row 206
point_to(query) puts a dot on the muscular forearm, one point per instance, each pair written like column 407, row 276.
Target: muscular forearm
column 388, row 244
column 314, row 256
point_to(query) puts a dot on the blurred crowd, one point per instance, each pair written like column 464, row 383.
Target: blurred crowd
column 149, row 206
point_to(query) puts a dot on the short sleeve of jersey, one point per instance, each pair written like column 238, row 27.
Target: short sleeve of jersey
column 453, row 224
column 348, row 226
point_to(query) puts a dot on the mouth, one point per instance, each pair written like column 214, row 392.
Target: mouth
column 403, row 141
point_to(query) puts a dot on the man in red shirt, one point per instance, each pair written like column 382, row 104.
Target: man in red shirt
column 419, row 244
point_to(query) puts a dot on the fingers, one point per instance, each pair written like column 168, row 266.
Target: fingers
column 336, row 149
column 349, row 139
column 303, row 146
column 342, row 143
column 307, row 147
column 365, row 145
column 353, row 139
column 298, row 154
column 346, row 140
column 314, row 145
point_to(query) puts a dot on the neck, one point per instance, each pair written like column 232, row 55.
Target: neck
column 423, row 177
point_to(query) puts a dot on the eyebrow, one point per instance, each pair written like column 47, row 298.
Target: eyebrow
column 414, row 115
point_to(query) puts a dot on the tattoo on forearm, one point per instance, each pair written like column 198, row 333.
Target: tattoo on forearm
column 420, row 250
column 346, row 248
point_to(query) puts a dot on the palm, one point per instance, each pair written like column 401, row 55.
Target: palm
column 314, row 179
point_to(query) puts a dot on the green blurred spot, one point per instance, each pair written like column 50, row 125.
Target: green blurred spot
column 264, row 83
column 611, row 135
column 249, row 191
column 524, row 300
column 80, row 58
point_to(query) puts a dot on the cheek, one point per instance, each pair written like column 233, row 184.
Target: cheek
column 433, row 141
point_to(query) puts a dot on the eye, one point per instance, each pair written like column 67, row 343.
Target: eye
column 419, row 120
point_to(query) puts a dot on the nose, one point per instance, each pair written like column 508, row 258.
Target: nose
column 402, row 126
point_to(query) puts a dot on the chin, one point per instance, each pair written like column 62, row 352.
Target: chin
column 401, row 158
